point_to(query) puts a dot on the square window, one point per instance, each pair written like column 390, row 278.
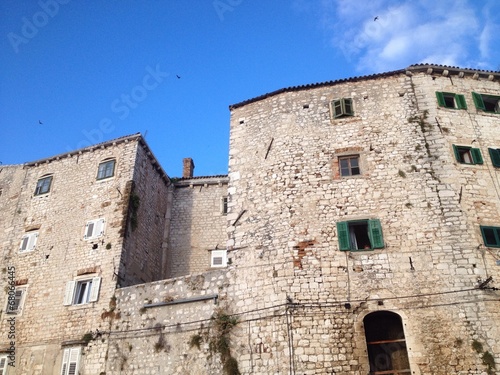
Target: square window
column 360, row 235
column 94, row 229
column 43, row 185
column 487, row 103
column 341, row 107
column 106, row 169
column 71, row 361
column 491, row 236
column 218, row 258
column 28, row 242
column 15, row 301
column 451, row 100
column 467, row 155
column 82, row 291
column 349, row 166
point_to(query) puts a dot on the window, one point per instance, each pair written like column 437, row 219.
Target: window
column 70, row 362
column 82, row 291
column 218, row 258
column 495, row 156
column 106, row 169
column 4, row 360
column 224, row 205
column 491, row 236
column 341, row 107
column 360, row 235
column 16, row 302
column 28, row 242
column 349, row 166
column 43, row 185
column 450, row 100
column 386, row 343
column 487, row 103
column 94, row 229
column 468, row 155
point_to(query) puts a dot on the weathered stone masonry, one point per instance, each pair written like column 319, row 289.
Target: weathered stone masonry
column 292, row 299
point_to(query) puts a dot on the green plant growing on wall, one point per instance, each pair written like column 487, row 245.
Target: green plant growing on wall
column 87, row 337
column 477, row 346
column 489, row 361
column 401, row 173
column 218, row 339
column 135, row 202
column 108, row 246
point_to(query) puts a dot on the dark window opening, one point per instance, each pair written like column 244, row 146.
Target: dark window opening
column 487, row 103
column 491, row 236
column 386, row 344
column 349, row 166
column 468, row 155
column 360, row 235
column 43, row 185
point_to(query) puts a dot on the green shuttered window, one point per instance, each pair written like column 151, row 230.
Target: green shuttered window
column 360, row 235
column 495, row 156
column 467, row 155
column 451, row 100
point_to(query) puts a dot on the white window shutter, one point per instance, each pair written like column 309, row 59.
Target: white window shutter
column 74, row 357
column 94, row 292
column 24, row 242
column 32, row 241
column 64, row 366
column 99, row 228
column 89, row 229
column 68, row 294
column 219, row 258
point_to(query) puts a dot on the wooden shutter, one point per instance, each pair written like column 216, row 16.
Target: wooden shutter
column 99, row 228
column 69, row 292
column 347, row 105
column 336, row 108
column 343, row 235
column 64, row 366
column 478, row 101
column 457, row 154
column 495, row 156
column 440, row 98
column 32, row 241
column 460, row 99
column 375, row 233
column 94, row 291
column 477, row 158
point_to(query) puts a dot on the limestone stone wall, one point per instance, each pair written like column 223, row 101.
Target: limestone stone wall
column 62, row 254
column 197, row 225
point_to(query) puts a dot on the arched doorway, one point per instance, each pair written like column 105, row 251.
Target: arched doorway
column 386, row 344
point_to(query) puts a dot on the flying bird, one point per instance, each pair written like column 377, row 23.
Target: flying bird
column 40, row 122
column 178, row 77
column 376, row 18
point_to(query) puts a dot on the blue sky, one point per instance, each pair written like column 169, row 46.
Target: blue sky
column 97, row 70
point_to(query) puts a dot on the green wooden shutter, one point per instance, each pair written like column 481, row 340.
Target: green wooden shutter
column 477, row 158
column 343, row 234
column 375, row 233
column 440, row 98
column 337, row 108
column 495, row 156
column 348, row 106
column 457, row 154
column 478, row 101
column 460, row 99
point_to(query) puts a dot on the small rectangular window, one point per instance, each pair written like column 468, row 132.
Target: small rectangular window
column 467, row 155
column 71, row 361
column 218, row 258
column 94, row 229
column 82, row 291
column 349, row 166
column 495, row 156
column 491, row 236
column 487, row 103
column 224, row 205
column 15, row 302
column 43, row 185
column 341, row 107
column 451, row 100
column 360, row 235
column 106, row 169
column 3, row 364
column 28, row 242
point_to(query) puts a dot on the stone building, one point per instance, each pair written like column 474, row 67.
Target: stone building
column 357, row 232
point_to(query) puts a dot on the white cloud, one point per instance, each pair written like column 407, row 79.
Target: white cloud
column 444, row 32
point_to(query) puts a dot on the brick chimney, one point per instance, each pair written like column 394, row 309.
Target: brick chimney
column 188, row 168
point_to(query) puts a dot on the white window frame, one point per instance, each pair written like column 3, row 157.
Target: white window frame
column 103, row 170
column 74, row 286
column 94, row 229
column 28, row 242
column 218, row 258
column 71, row 361
column 4, row 361
column 20, row 297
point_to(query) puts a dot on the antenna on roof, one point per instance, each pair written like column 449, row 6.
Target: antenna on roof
column 145, row 133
